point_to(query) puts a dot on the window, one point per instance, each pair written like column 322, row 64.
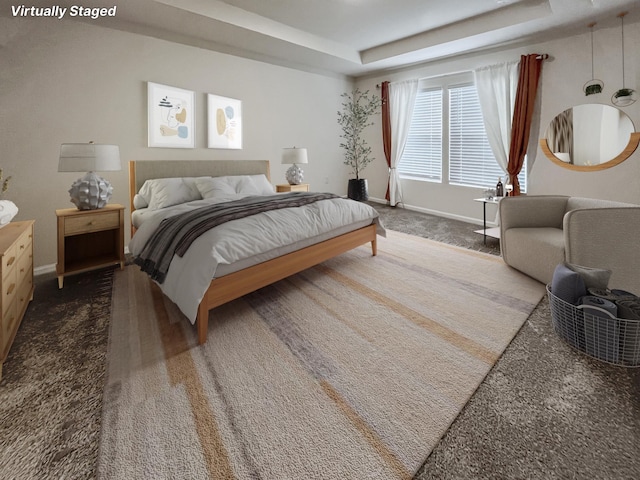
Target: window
column 467, row 158
column 422, row 156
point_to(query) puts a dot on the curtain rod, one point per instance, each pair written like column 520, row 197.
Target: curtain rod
column 542, row 56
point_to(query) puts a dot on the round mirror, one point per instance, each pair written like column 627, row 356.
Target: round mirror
column 590, row 137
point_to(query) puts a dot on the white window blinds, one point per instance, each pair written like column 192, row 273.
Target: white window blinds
column 471, row 160
column 422, row 156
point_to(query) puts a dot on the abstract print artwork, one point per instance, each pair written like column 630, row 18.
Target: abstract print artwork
column 225, row 122
column 171, row 116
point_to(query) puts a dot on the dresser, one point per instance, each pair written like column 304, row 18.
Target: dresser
column 16, row 250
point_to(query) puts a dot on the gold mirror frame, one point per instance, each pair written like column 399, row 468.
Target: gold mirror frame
column 631, row 147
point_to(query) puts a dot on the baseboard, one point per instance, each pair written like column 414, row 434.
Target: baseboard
column 437, row 213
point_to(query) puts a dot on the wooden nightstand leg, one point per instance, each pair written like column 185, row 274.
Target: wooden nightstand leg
column 121, row 265
column 60, row 280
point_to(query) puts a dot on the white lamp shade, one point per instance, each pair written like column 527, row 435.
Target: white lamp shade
column 294, row 155
column 89, row 157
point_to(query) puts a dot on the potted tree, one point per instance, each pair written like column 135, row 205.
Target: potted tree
column 357, row 108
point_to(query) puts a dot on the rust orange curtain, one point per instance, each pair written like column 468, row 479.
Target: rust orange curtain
column 386, row 129
column 530, row 68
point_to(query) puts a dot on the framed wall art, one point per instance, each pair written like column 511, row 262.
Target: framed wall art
column 225, row 122
column 171, row 116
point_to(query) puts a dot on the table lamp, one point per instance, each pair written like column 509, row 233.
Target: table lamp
column 294, row 156
column 91, row 191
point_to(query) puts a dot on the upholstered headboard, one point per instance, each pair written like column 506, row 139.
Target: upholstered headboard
column 143, row 170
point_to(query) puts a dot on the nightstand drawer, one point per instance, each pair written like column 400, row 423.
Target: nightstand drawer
column 91, row 223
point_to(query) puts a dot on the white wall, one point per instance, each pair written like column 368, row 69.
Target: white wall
column 563, row 77
column 65, row 82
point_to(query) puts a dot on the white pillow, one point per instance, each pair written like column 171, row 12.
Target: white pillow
column 256, row 184
column 165, row 192
column 139, row 202
column 215, row 187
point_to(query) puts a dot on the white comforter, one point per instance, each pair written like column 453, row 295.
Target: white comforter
column 247, row 241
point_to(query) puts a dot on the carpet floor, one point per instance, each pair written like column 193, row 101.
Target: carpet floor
column 354, row 368
column 53, row 380
column 544, row 411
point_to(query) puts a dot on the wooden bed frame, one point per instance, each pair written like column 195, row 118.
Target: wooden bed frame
column 234, row 285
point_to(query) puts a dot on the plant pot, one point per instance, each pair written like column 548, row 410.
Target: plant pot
column 592, row 87
column 624, row 97
column 358, row 189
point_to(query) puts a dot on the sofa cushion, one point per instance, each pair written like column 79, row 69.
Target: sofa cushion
column 567, row 284
column 535, row 251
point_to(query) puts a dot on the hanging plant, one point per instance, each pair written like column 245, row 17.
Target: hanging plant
column 623, row 92
column 593, row 89
column 624, row 96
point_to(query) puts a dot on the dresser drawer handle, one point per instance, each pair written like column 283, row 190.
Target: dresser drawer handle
column 21, row 247
column 10, row 261
column 11, row 288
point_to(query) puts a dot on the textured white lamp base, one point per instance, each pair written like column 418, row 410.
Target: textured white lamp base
column 294, row 175
column 90, row 192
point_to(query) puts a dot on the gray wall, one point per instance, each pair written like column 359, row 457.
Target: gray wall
column 66, row 82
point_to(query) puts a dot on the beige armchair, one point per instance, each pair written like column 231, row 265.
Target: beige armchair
column 539, row 232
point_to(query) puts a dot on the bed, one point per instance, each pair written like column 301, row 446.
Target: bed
column 239, row 276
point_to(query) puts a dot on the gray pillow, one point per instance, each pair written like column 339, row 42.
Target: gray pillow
column 567, row 284
column 593, row 277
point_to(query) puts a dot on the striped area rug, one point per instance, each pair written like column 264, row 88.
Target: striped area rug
column 349, row 370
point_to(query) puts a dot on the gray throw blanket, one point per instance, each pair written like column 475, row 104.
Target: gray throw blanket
column 176, row 234
column 629, row 309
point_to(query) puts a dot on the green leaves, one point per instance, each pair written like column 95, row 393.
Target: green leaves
column 357, row 107
column 4, row 184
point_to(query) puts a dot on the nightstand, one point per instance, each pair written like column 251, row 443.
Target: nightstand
column 89, row 239
column 285, row 187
